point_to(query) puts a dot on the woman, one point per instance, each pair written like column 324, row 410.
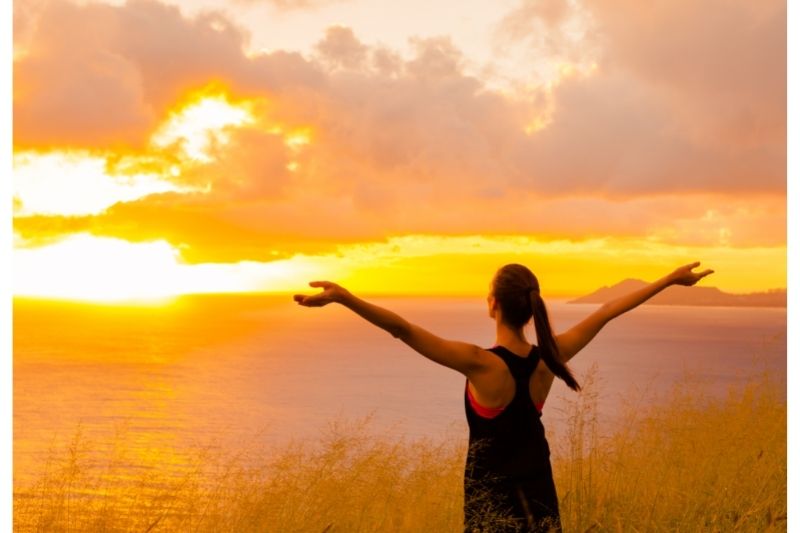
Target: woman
column 507, row 471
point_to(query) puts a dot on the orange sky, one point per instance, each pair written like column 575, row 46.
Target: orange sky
column 165, row 148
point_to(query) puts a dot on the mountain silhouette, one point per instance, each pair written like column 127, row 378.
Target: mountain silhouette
column 683, row 295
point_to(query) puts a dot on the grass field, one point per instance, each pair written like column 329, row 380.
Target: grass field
column 690, row 464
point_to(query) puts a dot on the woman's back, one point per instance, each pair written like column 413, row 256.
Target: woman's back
column 515, row 442
column 508, row 461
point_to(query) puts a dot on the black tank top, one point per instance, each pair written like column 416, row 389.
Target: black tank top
column 512, row 445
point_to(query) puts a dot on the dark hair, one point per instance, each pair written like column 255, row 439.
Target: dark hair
column 516, row 290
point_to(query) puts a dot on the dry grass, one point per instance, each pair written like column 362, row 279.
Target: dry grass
column 690, row 465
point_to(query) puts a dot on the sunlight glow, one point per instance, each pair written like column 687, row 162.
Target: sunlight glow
column 87, row 267
column 76, row 183
column 297, row 139
column 83, row 182
column 199, row 122
column 84, row 267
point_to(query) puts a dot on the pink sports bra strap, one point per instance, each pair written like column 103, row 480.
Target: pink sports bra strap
column 490, row 412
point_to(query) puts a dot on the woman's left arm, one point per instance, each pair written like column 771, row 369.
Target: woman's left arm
column 463, row 357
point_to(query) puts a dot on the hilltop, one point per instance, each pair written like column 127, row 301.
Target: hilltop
column 683, row 295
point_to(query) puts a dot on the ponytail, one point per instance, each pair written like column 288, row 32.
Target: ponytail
column 516, row 290
column 547, row 343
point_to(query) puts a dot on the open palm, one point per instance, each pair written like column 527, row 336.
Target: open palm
column 684, row 275
column 331, row 293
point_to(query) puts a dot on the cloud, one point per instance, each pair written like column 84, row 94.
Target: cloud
column 414, row 144
column 685, row 96
column 554, row 30
column 265, row 230
column 340, row 48
column 293, row 5
column 103, row 76
column 719, row 64
column 70, row 86
column 611, row 134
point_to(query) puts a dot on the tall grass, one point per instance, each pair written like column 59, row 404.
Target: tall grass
column 690, row 464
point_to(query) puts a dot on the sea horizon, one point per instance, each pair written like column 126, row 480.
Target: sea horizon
column 225, row 369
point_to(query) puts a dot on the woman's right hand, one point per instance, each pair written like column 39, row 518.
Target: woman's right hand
column 684, row 275
column 332, row 293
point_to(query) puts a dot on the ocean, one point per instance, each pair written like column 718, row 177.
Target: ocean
column 222, row 370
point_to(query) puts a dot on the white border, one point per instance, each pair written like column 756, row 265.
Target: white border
column 792, row 264
column 6, row 379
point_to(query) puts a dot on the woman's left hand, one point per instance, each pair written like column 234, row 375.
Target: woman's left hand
column 684, row 275
column 332, row 293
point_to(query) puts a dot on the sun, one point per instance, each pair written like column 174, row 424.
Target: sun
column 202, row 119
column 73, row 182
column 97, row 269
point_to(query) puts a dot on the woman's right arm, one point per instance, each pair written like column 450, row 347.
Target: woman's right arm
column 574, row 340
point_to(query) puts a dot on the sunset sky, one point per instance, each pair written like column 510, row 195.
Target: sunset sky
column 395, row 147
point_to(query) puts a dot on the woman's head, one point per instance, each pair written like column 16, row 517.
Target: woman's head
column 511, row 289
column 515, row 290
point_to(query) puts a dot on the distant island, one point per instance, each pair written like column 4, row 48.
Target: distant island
column 683, row 295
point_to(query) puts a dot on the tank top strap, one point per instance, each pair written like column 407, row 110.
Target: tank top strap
column 521, row 368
